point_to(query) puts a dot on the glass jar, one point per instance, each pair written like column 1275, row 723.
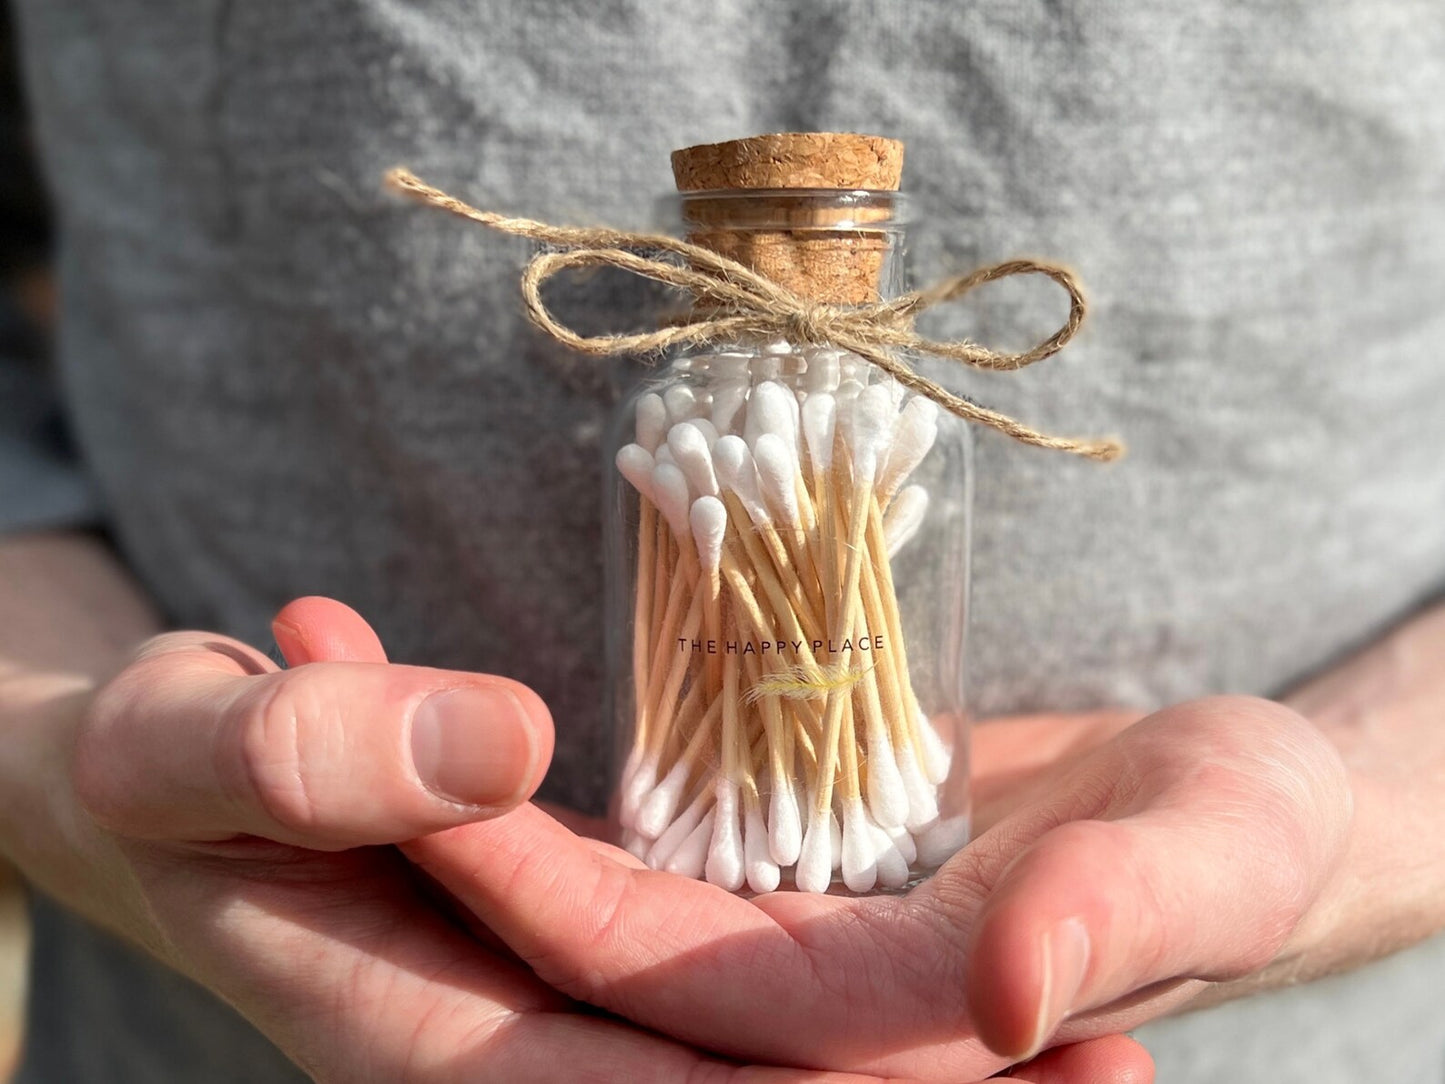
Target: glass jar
column 788, row 567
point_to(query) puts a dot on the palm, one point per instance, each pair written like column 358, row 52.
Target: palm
column 874, row 984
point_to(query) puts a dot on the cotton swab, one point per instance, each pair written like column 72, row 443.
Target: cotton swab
column 635, row 463
column 904, row 517
column 814, row 869
column 785, row 823
column 777, row 467
column 917, row 430
column 763, row 874
column 728, row 401
column 922, row 799
column 693, row 455
column 651, row 421
column 891, row 865
column 940, row 841
column 681, row 402
column 691, row 856
column 725, row 862
column 679, row 830
column 859, row 851
column 937, row 760
column 772, row 409
column 670, row 491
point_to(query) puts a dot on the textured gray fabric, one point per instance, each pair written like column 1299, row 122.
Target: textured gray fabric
column 284, row 382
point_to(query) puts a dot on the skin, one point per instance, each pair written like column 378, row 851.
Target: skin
column 1129, row 868
column 238, row 822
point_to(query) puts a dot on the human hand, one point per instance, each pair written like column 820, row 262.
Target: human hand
column 227, row 816
column 1189, row 848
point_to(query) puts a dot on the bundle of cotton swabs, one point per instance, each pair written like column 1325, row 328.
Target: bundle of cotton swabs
column 776, row 726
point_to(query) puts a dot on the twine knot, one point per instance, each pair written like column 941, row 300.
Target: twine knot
column 812, row 324
column 734, row 300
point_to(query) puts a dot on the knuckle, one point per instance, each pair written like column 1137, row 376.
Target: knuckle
column 100, row 774
column 271, row 741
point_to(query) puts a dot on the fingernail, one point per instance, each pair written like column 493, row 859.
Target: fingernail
column 474, row 745
column 1065, row 959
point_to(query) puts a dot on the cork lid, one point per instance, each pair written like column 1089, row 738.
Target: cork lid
column 768, row 202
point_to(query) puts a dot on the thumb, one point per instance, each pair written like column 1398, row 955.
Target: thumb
column 1220, row 822
column 190, row 743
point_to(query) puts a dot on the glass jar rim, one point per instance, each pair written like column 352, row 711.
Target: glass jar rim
column 769, row 208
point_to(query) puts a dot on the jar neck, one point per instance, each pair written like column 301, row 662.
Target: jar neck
column 842, row 247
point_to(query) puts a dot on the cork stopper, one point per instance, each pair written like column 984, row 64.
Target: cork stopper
column 783, row 231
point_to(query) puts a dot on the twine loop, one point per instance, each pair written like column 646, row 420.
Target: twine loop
column 732, row 300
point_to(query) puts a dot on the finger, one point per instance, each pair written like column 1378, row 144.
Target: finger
column 1218, row 825
column 184, row 745
column 1112, row 1059
column 408, row 996
column 786, row 978
column 316, row 629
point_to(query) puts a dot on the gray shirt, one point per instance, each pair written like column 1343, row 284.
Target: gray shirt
column 285, row 382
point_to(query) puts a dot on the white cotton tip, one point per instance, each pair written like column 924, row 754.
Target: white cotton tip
column 636, row 845
column 681, row 403
column 922, row 797
column 778, row 348
column 706, row 428
column 913, row 437
column 725, row 866
column 870, row 432
column 737, row 473
column 638, row 778
column 651, row 421
column 903, row 839
column 896, row 391
column 762, row 872
column 663, row 454
column 693, row 454
column 859, row 851
column 941, row 840
column 785, row 823
column 691, row 856
column 709, row 522
column 892, row 866
column 820, row 418
column 937, row 757
column 670, row 494
column 795, row 426
column 634, row 462
column 852, row 367
column 656, row 810
column 771, row 410
column 887, row 798
column 677, row 831
column 904, row 517
column 777, row 467
column 728, row 401
column 823, row 370
column 814, row 871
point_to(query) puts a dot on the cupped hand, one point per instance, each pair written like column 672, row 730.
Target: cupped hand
column 231, row 817
column 1186, row 849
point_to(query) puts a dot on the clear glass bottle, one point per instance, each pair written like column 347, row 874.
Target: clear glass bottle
column 788, row 563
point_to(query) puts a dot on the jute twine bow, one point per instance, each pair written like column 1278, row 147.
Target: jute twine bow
column 733, row 300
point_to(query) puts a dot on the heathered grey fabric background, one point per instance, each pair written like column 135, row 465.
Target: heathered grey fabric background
column 285, row 382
